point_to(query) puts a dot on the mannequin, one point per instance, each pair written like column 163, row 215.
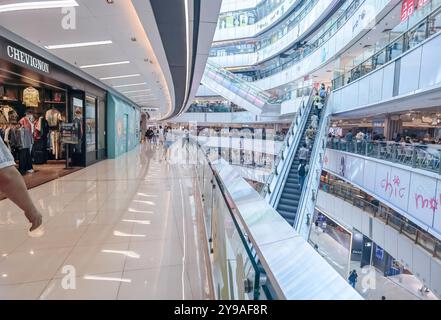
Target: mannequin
column 53, row 117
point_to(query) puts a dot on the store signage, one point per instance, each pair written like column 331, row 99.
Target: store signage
column 408, row 7
column 144, row 109
column 23, row 57
column 69, row 133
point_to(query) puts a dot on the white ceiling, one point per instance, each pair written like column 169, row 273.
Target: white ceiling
column 96, row 20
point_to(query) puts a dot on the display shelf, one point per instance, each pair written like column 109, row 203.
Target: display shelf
column 8, row 100
column 55, row 102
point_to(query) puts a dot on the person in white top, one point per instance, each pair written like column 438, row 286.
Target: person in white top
column 314, row 121
column 161, row 135
column 168, row 141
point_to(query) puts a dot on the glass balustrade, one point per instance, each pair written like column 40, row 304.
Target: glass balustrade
column 421, row 156
column 236, row 274
column 385, row 214
column 313, row 44
column 269, row 38
column 420, row 32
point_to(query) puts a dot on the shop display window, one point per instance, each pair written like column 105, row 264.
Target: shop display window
column 30, row 119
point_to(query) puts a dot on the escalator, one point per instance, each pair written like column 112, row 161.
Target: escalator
column 239, row 91
column 291, row 192
column 286, row 195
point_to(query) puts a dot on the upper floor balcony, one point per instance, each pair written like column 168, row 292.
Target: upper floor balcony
column 406, row 70
column 295, row 28
column 238, row 20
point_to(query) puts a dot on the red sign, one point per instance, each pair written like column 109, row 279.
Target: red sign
column 422, row 3
column 407, row 9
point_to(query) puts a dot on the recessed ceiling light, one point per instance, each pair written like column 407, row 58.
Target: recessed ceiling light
column 143, row 90
column 121, row 77
column 131, row 85
column 109, row 1
column 104, row 64
column 79, row 44
column 37, row 5
column 142, row 96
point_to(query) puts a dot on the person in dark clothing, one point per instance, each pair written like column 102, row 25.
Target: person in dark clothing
column 353, row 276
column 149, row 134
column 302, row 171
column 348, row 139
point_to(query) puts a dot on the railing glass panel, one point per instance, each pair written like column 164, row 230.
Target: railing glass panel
column 421, row 156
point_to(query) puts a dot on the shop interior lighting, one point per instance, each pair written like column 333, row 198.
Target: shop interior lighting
column 131, row 85
column 122, row 76
column 34, row 5
column 78, row 44
column 104, row 64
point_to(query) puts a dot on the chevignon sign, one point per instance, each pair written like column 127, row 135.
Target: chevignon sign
column 23, row 57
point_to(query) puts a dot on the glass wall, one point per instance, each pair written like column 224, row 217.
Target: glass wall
column 123, row 126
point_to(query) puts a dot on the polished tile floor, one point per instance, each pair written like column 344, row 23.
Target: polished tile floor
column 121, row 229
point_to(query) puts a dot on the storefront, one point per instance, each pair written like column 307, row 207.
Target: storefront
column 124, row 121
column 50, row 118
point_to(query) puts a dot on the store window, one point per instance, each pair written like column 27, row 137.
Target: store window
column 90, row 124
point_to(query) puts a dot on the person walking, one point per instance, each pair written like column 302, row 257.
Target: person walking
column 14, row 187
column 353, row 276
column 167, row 142
column 149, row 134
column 161, row 137
column 185, row 138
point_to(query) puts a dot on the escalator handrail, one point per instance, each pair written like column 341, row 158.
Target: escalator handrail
column 237, row 80
column 309, row 191
column 297, row 126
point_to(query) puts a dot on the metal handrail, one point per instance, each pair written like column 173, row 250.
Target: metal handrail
column 389, row 216
column 242, row 83
column 317, row 43
column 358, row 71
column 229, row 204
column 307, row 8
column 273, row 8
column 413, row 155
column 309, row 190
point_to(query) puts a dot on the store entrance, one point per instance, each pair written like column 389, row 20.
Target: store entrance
column 31, row 114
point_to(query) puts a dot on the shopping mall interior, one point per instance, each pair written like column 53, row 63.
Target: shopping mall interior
column 220, row 150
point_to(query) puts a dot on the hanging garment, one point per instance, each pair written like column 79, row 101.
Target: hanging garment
column 31, row 97
column 26, row 123
column 55, row 144
column 26, row 138
column 3, row 119
column 6, row 139
column 9, row 114
column 53, row 117
column 24, row 160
